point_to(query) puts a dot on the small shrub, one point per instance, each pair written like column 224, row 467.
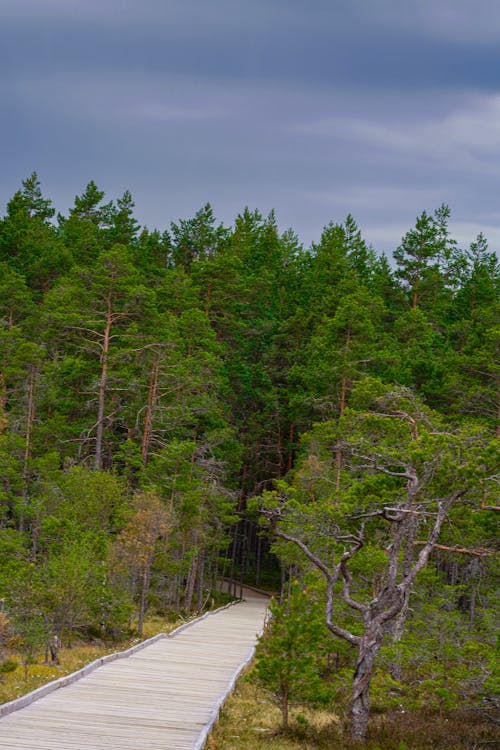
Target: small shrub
column 9, row 665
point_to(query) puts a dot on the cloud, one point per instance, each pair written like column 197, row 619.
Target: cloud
column 476, row 129
column 465, row 138
column 387, row 44
column 386, row 199
column 165, row 113
column 465, row 232
column 465, row 22
column 388, row 235
column 381, row 109
column 462, row 22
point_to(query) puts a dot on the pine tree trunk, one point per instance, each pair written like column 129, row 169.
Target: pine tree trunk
column 397, row 634
column 102, row 388
column 359, row 709
column 177, row 596
column 201, row 580
column 284, row 705
column 30, row 417
column 232, row 571
column 258, row 559
column 142, row 605
column 342, row 407
column 415, row 293
column 189, row 590
column 148, row 421
column 291, row 438
column 279, row 447
column 338, row 450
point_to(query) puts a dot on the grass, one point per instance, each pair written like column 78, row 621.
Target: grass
column 249, row 721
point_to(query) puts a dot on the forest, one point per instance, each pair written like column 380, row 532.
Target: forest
column 177, row 406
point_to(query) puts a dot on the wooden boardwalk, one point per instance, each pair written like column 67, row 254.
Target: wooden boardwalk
column 164, row 697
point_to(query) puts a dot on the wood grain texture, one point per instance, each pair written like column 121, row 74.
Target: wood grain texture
column 163, row 697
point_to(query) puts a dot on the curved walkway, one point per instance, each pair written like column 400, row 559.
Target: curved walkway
column 164, row 697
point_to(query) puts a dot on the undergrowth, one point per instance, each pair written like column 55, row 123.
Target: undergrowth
column 250, row 721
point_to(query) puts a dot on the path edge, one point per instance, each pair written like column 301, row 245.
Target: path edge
column 205, row 732
column 69, row 679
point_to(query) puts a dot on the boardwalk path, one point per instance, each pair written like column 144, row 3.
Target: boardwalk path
column 162, row 698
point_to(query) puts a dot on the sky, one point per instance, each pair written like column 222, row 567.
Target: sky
column 313, row 108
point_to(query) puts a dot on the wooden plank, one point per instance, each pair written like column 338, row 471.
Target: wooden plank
column 163, row 697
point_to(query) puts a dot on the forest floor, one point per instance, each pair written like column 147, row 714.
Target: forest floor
column 250, row 721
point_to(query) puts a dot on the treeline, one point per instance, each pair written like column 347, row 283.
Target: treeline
column 151, row 382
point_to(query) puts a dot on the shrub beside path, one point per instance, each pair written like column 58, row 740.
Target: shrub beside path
column 163, row 697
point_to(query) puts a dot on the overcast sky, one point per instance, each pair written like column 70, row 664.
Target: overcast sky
column 316, row 108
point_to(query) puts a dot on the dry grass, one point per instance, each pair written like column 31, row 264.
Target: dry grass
column 14, row 684
column 249, row 721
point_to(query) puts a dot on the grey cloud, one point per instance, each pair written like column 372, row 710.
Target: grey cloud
column 319, row 43
column 315, row 109
column 465, row 137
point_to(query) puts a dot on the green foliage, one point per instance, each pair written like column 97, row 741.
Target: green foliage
column 8, row 665
column 288, row 656
column 423, row 259
column 208, row 364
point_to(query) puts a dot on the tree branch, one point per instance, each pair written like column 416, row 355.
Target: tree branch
column 346, row 575
column 373, row 464
column 307, row 552
column 423, row 557
column 330, row 575
column 400, row 415
column 460, row 550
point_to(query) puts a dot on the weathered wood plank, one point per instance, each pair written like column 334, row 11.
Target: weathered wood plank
column 163, row 697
